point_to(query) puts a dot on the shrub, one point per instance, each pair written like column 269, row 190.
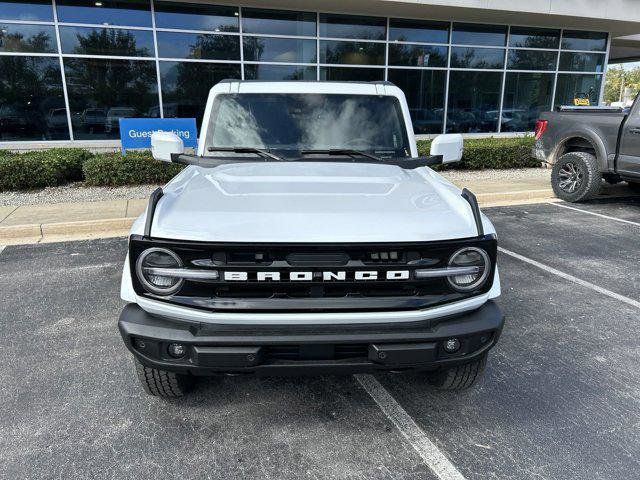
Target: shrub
column 112, row 169
column 41, row 168
column 499, row 153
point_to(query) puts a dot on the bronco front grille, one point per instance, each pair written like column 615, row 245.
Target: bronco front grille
column 327, row 277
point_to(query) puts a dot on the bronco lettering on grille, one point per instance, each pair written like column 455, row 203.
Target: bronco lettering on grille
column 307, row 276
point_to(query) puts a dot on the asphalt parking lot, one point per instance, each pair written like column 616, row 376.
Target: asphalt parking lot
column 560, row 397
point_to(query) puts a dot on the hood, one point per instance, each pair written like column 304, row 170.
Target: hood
column 311, row 202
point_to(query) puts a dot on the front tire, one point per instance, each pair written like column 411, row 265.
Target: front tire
column 161, row 383
column 459, row 377
column 576, row 177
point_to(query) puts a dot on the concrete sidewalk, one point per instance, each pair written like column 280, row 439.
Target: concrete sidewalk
column 112, row 218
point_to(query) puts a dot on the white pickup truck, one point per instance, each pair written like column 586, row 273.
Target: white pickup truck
column 307, row 236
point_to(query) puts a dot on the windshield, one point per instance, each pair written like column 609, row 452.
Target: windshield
column 289, row 123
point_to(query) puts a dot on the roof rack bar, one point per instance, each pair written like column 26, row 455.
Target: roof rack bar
column 473, row 202
column 151, row 210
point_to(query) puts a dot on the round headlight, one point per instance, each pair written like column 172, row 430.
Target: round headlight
column 469, row 257
column 149, row 269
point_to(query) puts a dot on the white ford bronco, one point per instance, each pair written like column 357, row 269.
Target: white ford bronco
column 306, row 235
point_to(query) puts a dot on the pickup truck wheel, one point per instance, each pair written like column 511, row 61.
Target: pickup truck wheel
column 458, row 377
column 162, row 383
column 576, row 177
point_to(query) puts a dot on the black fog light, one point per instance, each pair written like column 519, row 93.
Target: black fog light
column 177, row 350
column 139, row 344
column 452, row 345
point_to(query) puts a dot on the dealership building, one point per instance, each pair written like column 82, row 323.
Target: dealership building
column 69, row 69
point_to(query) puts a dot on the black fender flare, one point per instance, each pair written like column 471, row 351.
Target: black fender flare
column 590, row 136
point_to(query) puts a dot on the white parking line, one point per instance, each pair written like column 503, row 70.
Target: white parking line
column 622, row 220
column 430, row 453
column 571, row 278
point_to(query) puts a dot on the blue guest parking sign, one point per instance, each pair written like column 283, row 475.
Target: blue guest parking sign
column 136, row 132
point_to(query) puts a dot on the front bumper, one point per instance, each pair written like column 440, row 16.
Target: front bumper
column 309, row 349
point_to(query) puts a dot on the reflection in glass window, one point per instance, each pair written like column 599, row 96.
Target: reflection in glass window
column 578, row 40
column 525, row 96
column 571, row 87
column 351, row 74
column 279, row 72
column 405, row 30
column 135, row 13
column 185, row 86
column 424, row 90
column 474, row 101
column 531, row 37
column 532, row 60
column 581, row 62
column 106, row 41
column 268, row 49
column 417, row 55
column 352, row 26
column 198, row 45
column 31, row 99
column 479, row 34
column 27, row 38
column 196, row 16
column 354, row 53
column 29, row 10
column 278, row 22
column 290, row 123
column 101, row 91
column 467, row 57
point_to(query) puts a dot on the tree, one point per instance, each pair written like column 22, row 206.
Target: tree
column 618, row 79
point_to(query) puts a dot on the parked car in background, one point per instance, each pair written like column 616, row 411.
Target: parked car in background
column 589, row 144
column 57, row 121
column 93, row 120
column 112, row 123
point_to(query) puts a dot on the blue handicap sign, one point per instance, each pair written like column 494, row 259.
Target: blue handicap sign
column 136, row 132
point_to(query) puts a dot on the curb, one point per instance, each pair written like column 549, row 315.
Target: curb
column 119, row 227
column 65, row 231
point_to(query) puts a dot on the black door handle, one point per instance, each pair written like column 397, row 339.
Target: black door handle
column 634, row 130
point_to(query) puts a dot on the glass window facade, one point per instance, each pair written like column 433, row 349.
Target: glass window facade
column 283, row 50
column 277, row 22
column 424, row 90
column 198, row 45
column 406, row 30
column 27, row 38
column 525, row 96
column 405, row 54
column 106, row 41
column 185, row 86
column 468, row 57
column 121, row 58
column 196, row 16
column 101, row 91
column 474, row 101
column 31, row 99
column 133, row 13
column 29, row 10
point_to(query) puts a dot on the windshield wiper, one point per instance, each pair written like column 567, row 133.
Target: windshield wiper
column 341, row 152
column 257, row 151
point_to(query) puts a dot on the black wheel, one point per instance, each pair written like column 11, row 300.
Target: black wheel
column 162, row 383
column 576, row 177
column 458, row 377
